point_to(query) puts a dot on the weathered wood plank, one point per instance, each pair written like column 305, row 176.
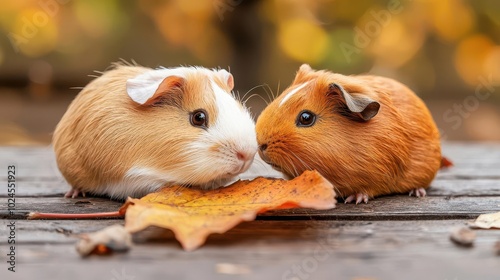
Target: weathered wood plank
column 398, row 208
column 383, row 208
column 463, row 187
column 472, row 160
column 439, row 187
column 52, row 231
column 402, row 232
column 470, row 173
column 274, row 250
column 38, row 188
column 58, row 205
column 32, row 163
column 256, row 265
column 471, row 152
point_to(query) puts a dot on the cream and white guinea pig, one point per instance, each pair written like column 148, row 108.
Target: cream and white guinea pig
column 135, row 129
column 368, row 135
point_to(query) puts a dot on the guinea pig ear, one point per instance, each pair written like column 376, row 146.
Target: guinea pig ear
column 358, row 107
column 227, row 77
column 149, row 88
column 304, row 70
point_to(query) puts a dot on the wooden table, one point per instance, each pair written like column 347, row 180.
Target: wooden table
column 393, row 237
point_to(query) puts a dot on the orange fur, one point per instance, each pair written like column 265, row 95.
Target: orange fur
column 394, row 152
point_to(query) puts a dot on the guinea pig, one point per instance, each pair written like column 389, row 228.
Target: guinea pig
column 368, row 135
column 136, row 129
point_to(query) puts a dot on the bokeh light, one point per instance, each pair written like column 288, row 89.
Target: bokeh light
column 303, row 40
column 444, row 49
column 471, row 55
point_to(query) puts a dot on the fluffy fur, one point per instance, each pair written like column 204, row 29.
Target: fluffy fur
column 395, row 151
column 120, row 141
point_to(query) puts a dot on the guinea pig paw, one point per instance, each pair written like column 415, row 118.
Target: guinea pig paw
column 74, row 193
column 418, row 192
column 359, row 197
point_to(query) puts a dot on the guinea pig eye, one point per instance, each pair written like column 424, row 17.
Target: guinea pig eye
column 199, row 118
column 306, row 118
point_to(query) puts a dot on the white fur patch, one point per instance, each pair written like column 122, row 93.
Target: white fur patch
column 139, row 181
column 234, row 124
column 292, row 92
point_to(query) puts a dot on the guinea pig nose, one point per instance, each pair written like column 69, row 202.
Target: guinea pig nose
column 263, row 147
column 240, row 156
column 244, row 155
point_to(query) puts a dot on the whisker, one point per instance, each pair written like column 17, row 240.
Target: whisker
column 277, row 91
column 263, row 164
column 256, row 94
column 295, row 172
column 303, row 162
column 269, row 93
column 250, row 90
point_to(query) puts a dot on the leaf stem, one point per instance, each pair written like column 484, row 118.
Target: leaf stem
column 58, row 216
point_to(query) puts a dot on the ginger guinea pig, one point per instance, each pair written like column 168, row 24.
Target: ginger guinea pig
column 368, row 135
column 135, row 129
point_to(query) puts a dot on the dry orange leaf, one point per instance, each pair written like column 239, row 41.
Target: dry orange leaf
column 487, row 221
column 194, row 214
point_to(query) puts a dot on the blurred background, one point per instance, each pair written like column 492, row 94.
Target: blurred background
column 447, row 51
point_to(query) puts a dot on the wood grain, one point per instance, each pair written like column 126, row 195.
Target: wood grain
column 320, row 249
column 390, row 207
column 392, row 237
column 439, row 187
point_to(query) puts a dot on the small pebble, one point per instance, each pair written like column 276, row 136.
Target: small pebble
column 463, row 236
column 114, row 238
column 230, row 268
column 497, row 248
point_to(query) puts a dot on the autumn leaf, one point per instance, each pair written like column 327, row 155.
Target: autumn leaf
column 194, row 214
column 487, row 221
